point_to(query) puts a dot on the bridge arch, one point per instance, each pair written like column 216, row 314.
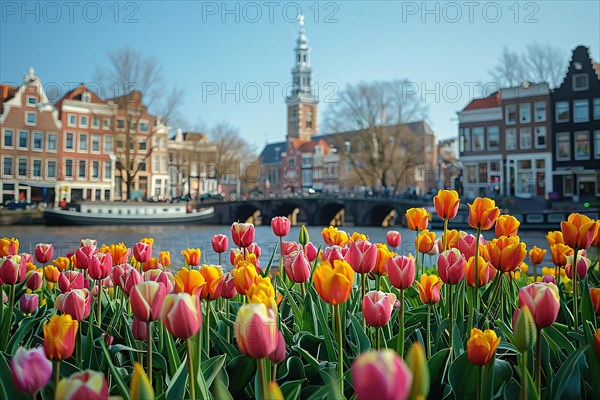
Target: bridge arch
column 383, row 214
column 333, row 213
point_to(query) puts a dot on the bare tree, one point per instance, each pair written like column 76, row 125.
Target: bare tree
column 509, row 71
column 375, row 140
column 232, row 151
column 137, row 87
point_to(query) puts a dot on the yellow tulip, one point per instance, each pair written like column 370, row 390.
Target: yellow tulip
column 334, row 282
column 482, row 346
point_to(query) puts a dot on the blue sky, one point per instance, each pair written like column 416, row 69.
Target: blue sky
column 246, row 48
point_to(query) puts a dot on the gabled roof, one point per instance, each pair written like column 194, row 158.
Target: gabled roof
column 494, row 100
column 271, row 154
column 77, row 93
column 7, row 92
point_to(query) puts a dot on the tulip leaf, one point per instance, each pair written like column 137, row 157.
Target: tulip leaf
column 121, row 387
column 556, row 340
column 29, row 325
column 7, row 387
column 291, row 389
column 437, row 365
column 463, row 377
column 177, row 384
column 243, row 368
column 566, row 380
column 361, row 342
column 172, row 356
column 220, row 391
column 211, row 367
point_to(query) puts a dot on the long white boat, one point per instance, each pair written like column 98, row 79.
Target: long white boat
column 98, row 213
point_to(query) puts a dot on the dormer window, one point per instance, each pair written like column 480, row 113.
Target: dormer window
column 580, row 82
column 31, row 100
column 86, row 97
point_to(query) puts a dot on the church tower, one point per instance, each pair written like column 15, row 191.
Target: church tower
column 301, row 101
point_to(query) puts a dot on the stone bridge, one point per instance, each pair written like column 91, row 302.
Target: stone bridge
column 317, row 211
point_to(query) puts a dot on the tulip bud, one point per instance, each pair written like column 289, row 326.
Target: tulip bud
column 362, row 256
column 28, row 303
column 543, row 301
column 380, row 375
column 89, row 385
column 139, row 329
column 279, row 354
column 76, row 302
column 297, row 267
column 84, row 254
column 43, row 252
column 401, row 271
column 524, row 328
column 181, row 315
column 140, row 387
column 69, row 280
column 303, row 237
column 451, row 266
column 311, row 251
column 256, row 330
column 59, row 337
column 393, row 238
column 220, row 243
column 142, row 251
column 165, row 258
column 242, row 234
column 35, row 280
column 417, row 363
column 146, row 300
column 192, row 257
column 377, row 308
column 481, row 346
column 30, row 369
column 280, row 226
column 228, row 291
column 13, row 270
column 100, row 265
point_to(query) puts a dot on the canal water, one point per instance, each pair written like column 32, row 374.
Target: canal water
column 177, row 238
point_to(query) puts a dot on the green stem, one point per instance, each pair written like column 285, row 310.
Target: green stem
column 149, row 342
column 429, row 331
column 416, row 257
column 7, row 329
column 303, row 290
column 538, row 362
column 99, row 309
column 227, row 325
column 191, row 380
column 445, row 237
column 207, row 341
column 78, row 353
column 524, row 390
column 377, row 338
column 338, row 322
column 575, row 300
column 450, row 314
column 281, row 268
column 400, row 338
column 377, row 282
column 534, row 272
column 274, row 372
column 262, row 377
column 479, row 382
column 363, row 291
column 476, row 266
column 161, row 333
column 56, row 373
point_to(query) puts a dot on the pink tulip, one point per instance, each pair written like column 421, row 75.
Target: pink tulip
column 88, row 385
column 254, row 248
column 68, row 280
column 311, row 252
column 146, row 300
column 100, row 265
column 362, row 256
column 13, row 270
column 401, row 271
column 288, row 247
column 232, row 254
column 278, row 355
column 435, row 250
column 181, row 314
column 139, row 329
column 43, row 252
column 31, row 370
column 108, row 339
column 142, row 251
column 393, row 239
column 28, row 303
column 549, row 279
column 377, row 308
column 543, row 302
column 256, row 330
column 35, row 281
column 165, row 278
column 84, row 254
column 381, row 375
column 451, row 266
column 26, row 258
column 297, row 267
column 220, row 243
column 281, row 226
column 583, row 264
column 466, row 245
column 76, row 302
column 242, row 234
column 333, row 253
column 228, row 291
column 118, row 271
column 129, row 279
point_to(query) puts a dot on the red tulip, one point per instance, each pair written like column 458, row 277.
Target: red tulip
column 13, row 270
column 543, row 302
column 451, row 266
column 28, row 303
column 297, row 267
column 362, row 256
column 43, row 252
column 288, row 247
column 401, row 271
column 100, row 265
column 76, row 302
column 220, row 243
column 310, row 251
column 256, row 330
column 254, row 248
column 68, row 280
column 146, row 300
column 583, row 264
column 228, row 291
column 181, row 314
column 84, row 254
column 142, row 251
column 393, row 238
column 31, row 370
column 381, row 375
column 139, row 329
column 278, row 355
column 129, row 279
column 117, row 272
column 242, row 234
column 35, row 281
column 377, row 308
column 281, row 226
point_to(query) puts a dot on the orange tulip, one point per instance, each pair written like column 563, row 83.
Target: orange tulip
column 151, row 264
column 506, row 253
column 383, row 255
column 559, row 253
column 189, row 281
column 453, row 236
column 429, row 288
column 51, row 273
column 148, row 241
column 446, row 204
column 59, row 337
column 356, row 236
column 595, row 295
column 119, row 252
column 554, row 237
column 597, row 342
column 536, row 255
column 62, row 263
column 244, row 276
column 333, row 236
column 424, row 241
column 192, row 257
column 417, row 219
column 507, row 225
column 165, row 258
column 484, row 271
column 481, row 346
column 483, row 213
column 334, row 282
column 596, row 240
column 213, row 276
column 579, row 230
column 9, row 247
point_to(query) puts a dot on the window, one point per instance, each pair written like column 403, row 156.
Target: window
column 22, row 167
column 142, row 165
column 597, row 108
column 493, row 136
column 525, row 138
column 72, row 120
column 309, row 119
column 83, row 142
column 580, row 82
column 119, row 143
column 7, row 167
column 163, row 163
column 83, row 121
column 478, row 139
column 81, row 172
column 482, row 172
column 107, row 170
column 540, row 111
column 51, row 143
column 106, row 123
column 540, row 137
column 132, row 125
column 155, row 163
column 510, row 114
column 95, row 122
column 37, row 168
column 96, row 143
column 294, row 122
column 471, row 173
column 70, row 140
column 162, row 143
column 291, row 162
column 120, row 124
column 95, row 169
column 23, row 139
column 86, row 97
column 306, row 177
column 467, row 139
column 69, row 168
column 38, row 141
column 31, row 100
column 562, row 111
column 108, row 144
column 563, row 146
column 30, row 118
column 568, row 185
column 511, row 139
column 580, row 111
column 596, row 144
column 8, row 138
column 143, row 126
column 582, row 145
column 51, row 169
column 525, row 113
column 142, row 145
